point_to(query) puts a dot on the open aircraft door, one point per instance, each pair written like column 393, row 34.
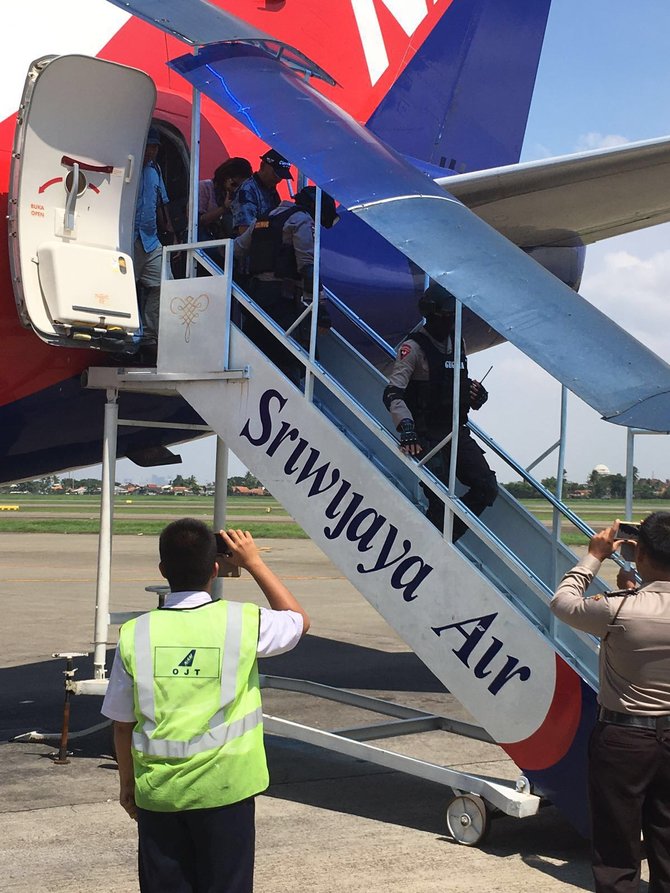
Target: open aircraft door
column 76, row 167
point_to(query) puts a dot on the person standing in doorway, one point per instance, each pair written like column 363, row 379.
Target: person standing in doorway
column 151, row 217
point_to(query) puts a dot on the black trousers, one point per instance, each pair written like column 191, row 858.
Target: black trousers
column 472, row 471
column 284, row 311
column 629, row 792
column 197, row 850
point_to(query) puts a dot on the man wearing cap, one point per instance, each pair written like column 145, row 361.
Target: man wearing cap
column 258, row 195
column 150, row 214
column 629, row 748
column 419, row 397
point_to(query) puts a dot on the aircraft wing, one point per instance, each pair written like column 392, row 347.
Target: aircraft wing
column 574, row 199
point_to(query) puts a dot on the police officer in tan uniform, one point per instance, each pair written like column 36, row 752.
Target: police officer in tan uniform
column 629, row 750
column 419, row 397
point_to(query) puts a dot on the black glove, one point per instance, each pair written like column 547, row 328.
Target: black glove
column 407, row 431
column 478, row 395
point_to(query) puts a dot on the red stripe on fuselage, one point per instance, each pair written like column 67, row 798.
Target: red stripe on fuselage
column 327, row 33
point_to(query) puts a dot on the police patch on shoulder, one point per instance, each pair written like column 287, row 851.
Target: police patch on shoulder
column 405, row 350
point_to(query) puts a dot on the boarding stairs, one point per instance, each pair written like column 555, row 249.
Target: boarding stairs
column 476, row 613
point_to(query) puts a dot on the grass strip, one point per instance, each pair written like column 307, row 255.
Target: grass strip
column 258, row 529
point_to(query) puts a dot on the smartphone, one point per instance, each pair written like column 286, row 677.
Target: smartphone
column 226, row 568
column 221, row 547
column 628, row 530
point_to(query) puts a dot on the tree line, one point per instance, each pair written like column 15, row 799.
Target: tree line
column 597, row 486
column 45, row 485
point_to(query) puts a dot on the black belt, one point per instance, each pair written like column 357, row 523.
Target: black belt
column 631, row 719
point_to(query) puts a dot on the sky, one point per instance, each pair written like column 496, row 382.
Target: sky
column 603, row 80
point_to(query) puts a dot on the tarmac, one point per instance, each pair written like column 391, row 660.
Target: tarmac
column 327, row 824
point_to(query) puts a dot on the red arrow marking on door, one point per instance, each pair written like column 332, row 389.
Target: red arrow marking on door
column 49, row 183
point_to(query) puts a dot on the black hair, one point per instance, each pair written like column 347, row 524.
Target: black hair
column 233, row 167
column 655, row 537
column 306, row 199
column 187, row 548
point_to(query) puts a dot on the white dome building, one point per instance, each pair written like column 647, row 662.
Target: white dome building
column 601, row 469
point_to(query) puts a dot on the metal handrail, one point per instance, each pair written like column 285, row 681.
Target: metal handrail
column 529, row 479
column 558, row 504
column 521, row 571
column 546, row 494
column 358, row 322
column 354, row 318
column 485, row 438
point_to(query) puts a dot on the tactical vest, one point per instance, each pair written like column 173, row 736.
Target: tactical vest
column 431, row 402
column 268, row 253
column 198, row 740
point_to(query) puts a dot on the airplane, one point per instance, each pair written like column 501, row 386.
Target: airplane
column 413, row 71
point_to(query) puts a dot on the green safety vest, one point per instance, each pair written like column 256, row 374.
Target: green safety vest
column 198, row 741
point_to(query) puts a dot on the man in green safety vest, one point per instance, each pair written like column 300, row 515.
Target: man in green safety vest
column 188, row 725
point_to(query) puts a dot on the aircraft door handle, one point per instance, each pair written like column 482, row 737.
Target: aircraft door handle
column 71, row 203
column 130, row 168
column 87, row 165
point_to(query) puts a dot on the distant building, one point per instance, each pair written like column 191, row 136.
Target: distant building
column 249, row 491
column 602, row 469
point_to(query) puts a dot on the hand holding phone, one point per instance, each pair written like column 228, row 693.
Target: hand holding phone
column 628, row 530
column 226, row 567
column 629, row 533
column 221, row 547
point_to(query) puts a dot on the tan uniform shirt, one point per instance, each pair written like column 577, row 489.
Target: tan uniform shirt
column 635, row 648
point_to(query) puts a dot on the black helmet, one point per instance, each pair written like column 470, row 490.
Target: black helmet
column 436, row 300
column 306, row 198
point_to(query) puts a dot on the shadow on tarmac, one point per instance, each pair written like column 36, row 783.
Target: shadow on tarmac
column 31, row 695
column 308, row 775
column 343, row 665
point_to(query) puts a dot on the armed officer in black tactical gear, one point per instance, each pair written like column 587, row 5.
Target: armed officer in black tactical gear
column 281, row 263
column 419, row 397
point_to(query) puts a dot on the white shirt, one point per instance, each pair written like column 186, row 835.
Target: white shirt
column 279, row 631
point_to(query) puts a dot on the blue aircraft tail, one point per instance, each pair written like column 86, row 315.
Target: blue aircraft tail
column 462, row 102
